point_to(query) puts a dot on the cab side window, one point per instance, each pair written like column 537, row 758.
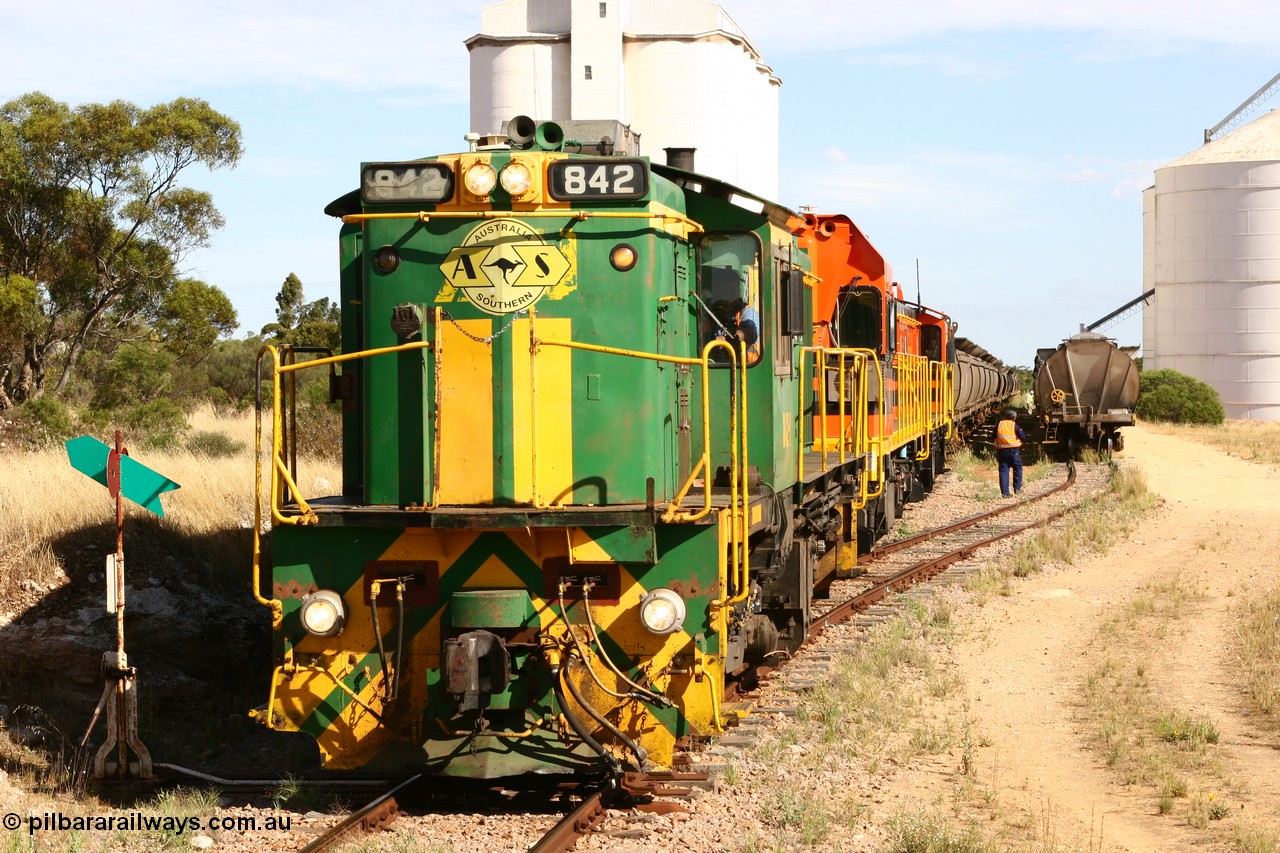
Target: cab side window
column 729, row 292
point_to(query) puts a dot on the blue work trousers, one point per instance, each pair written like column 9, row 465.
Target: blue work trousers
column 1010, row 457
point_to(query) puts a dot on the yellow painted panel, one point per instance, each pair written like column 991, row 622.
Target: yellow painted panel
column 465, row 420
column 552, row 386
column 584, row 549
column 668, row 663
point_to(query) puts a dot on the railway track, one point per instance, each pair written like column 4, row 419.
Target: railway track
column 925, row 555
column 380, row 812
column 897, row 566
column 594, row 800
column 892, row 568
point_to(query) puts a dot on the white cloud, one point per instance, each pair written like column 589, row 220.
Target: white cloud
column 835, row 155
column 1126, row 179
column 1141, row 25
column 928, row 184
column 1086, row 169
column 1132, row 178
column 947, row 64
column 80, row 50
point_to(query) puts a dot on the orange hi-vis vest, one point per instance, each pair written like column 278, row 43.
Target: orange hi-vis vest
column 1007, row 435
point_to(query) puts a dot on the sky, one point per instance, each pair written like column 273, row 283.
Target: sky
column 1000, row 145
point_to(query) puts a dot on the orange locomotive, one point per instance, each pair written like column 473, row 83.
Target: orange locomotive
column 922, row 390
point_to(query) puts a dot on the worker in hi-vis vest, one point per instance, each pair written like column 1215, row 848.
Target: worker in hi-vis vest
column 1009, row 439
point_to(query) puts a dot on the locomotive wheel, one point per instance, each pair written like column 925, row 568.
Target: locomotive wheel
column 890, row 498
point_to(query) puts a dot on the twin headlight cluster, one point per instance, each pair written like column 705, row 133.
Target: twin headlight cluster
column 516, row 178
column 324, row 614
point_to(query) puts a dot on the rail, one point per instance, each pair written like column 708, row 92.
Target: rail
column 424, row 216
column 284, row 444
column 936, row 563
column 925, row 402
column 925, row 406
column 376, row 815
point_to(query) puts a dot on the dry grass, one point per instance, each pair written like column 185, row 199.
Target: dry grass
column 870, row 713
column 1255, row 441
column 983, row 471
column 1091, row 529
column 1172, row 754
column 51, row 508
column 1259, row 650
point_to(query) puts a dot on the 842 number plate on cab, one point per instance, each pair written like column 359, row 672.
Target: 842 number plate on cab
column 571, row 180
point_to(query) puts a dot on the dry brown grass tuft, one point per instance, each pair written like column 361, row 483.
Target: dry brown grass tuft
column 1169, row 752
column 1255, row 441
column 1259, row 650
column 1092, row 529
column 50, row 506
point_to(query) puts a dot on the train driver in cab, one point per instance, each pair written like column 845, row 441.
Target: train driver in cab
column 741, row 321
column 727, row 291
column 1009, row 440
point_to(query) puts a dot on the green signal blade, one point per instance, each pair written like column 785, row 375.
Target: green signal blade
column 138, row 483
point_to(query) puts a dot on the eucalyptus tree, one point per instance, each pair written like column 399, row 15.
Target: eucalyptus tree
column 92, row 211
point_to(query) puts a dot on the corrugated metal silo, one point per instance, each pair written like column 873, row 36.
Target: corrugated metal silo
column 1211, row 247
column 681, row 75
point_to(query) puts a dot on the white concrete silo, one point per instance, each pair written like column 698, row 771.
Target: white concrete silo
column 1211, row 244
column 680, row 73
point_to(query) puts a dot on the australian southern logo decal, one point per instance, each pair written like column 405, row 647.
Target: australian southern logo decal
column 502, row 266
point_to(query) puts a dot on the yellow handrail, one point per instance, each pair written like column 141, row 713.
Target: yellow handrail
column 579, row 215
column 854, row 422
column 739, row 497
column 281, row 478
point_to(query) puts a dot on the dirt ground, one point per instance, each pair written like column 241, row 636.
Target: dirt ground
column 1024, row 660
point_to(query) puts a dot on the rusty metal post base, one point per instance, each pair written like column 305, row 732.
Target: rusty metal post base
column 120, row 696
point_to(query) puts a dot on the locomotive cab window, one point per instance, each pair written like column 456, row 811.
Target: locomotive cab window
column 789, row 317
column 858, row 322
column 729, row 290
column 931, row 342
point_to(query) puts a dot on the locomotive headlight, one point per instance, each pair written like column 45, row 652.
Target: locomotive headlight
column 516, row 178
column 480, row 179
column 386, row 259
column 662, row 611
column 623, row 257
column 323, row 613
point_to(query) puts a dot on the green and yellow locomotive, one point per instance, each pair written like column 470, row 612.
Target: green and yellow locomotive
column 598, row 455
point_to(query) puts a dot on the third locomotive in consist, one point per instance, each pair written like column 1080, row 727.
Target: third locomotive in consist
column 608, row 427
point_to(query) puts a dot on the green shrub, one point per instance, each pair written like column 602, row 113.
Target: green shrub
column 45, row 420
column 1168, row 395
column 215, row 445
column 223, row 404
column 135, row 372
column 230, row 370
column 158, row 424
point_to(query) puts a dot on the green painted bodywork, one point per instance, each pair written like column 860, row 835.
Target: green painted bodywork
column 329, row 558
column 628, row 450
column 491, row 608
